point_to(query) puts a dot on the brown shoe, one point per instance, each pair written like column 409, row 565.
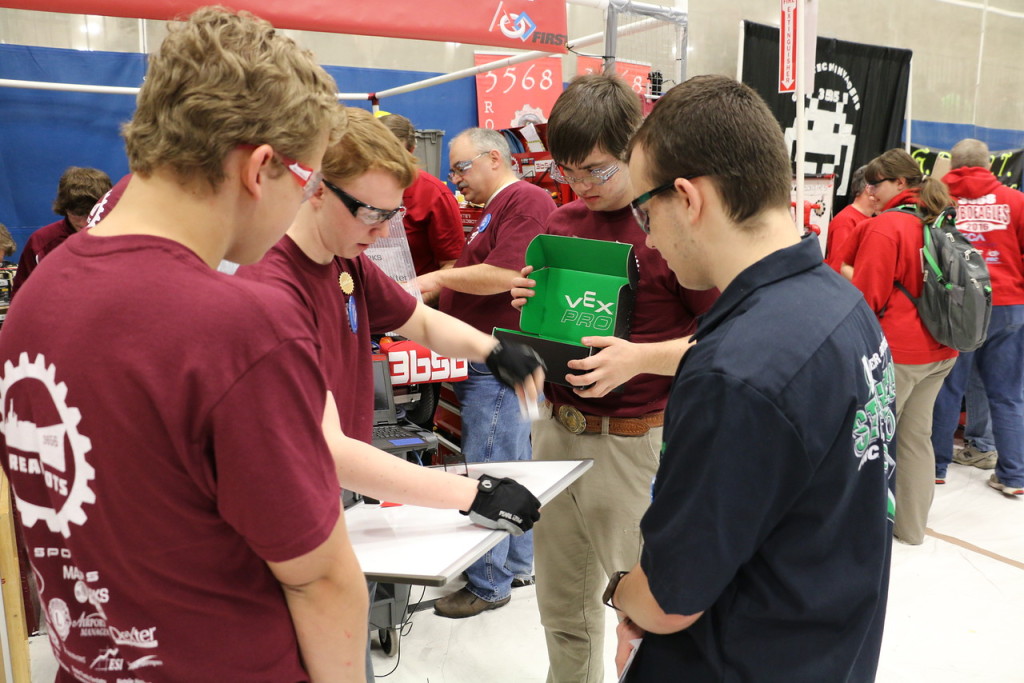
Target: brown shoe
column 463, row 603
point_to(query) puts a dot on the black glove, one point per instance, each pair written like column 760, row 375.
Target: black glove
column 504, row 504
column 513, row 363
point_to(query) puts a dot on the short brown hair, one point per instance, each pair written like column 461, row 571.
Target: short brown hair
column 221, row 79
column 897, row 163
column 717, row 127
column 402, row 129
column 366, row 146
column 79, row 189
column 596, row 110
column 7, row 243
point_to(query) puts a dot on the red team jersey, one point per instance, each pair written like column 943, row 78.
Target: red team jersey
column 342, row 321
column 663, row 310
column 161, row 430
column 40, row 243
column 991, row 216
column 839, row 231
column 433, row 223
column 512, row 218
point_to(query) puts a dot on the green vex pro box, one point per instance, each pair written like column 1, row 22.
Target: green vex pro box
column 585, row 288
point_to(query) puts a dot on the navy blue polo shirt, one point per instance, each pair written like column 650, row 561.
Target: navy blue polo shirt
column 772, row 506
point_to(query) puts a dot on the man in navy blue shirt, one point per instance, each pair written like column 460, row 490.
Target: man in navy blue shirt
column 767, row 542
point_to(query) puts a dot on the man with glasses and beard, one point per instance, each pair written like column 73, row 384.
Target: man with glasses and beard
column 475, row 291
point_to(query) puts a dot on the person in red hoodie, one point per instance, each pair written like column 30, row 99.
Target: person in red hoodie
column 991, row 216
column 844, row 225
column 890, row 251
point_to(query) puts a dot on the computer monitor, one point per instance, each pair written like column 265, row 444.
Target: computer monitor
column 383, row 394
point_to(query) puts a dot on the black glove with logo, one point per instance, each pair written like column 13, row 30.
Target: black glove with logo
column 504, row 504
column 513, row 363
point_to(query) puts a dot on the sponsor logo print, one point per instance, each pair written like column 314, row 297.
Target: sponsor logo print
column 148, row 660
column 107, row 661
column 520, row 26
column 135, row 637
column 91, row 625
column 60, row 617
column 514, row 25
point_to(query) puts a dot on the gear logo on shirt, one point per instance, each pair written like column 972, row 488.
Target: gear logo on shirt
column 43, row 443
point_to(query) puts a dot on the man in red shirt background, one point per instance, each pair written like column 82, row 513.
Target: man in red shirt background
column 991, row 216
column 843, row 225
column 433, row 223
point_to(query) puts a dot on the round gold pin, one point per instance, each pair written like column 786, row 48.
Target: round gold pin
column 346, row 283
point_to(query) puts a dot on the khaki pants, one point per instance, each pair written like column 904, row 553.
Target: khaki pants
column 917, row 386
column 585, row 534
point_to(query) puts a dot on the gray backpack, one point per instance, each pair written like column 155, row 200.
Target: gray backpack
column 956, row 302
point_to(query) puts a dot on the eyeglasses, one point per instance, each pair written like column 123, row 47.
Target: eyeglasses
column 306, row 177
column 596, row 176
column 872, row 186
column 641, row 215
column 369, row 215
column 459, row 168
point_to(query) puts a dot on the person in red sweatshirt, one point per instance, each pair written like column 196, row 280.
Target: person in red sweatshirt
column 991, row 216
column 843, row 225
column 889, row 251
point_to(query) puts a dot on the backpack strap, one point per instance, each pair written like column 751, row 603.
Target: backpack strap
column 913, row 210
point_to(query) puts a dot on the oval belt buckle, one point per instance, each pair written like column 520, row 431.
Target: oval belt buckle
column 572, row 419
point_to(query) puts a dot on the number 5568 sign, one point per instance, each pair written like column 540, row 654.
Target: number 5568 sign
column 519, row 94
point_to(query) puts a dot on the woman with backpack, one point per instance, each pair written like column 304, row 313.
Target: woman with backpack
column 890, row 253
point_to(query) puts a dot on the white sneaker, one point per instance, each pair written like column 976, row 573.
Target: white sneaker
column 969, row 455
column 994, row 482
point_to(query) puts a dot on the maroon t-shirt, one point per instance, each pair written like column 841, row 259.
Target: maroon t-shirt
column 345, row 354
column 663, row 310
column 511, row 219
column 39, row 244
column 433, row 223
column 161, row 429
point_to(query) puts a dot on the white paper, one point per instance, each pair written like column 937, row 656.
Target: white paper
column 632, row 655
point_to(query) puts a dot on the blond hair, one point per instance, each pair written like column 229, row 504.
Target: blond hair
column 221, row 79
column 368, row 145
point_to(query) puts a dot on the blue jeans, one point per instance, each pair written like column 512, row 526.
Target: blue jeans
column 492, row 430
column 978, row 430
column 1000, row 363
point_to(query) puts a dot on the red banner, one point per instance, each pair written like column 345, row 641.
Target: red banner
column 636, row 75
column 523, row 24
column 787, row 46
column 516, row 95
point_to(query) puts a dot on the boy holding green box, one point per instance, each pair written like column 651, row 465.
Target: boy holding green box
column 593, row 529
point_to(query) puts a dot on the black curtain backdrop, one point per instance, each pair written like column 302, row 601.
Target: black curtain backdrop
column 855, row 104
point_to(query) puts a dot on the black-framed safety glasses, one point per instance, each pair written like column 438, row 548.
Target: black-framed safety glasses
column 368, row 214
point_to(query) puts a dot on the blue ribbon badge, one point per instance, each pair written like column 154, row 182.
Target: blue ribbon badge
column 353, row 315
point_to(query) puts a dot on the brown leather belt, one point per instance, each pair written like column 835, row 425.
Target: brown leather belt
column 578, row 423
